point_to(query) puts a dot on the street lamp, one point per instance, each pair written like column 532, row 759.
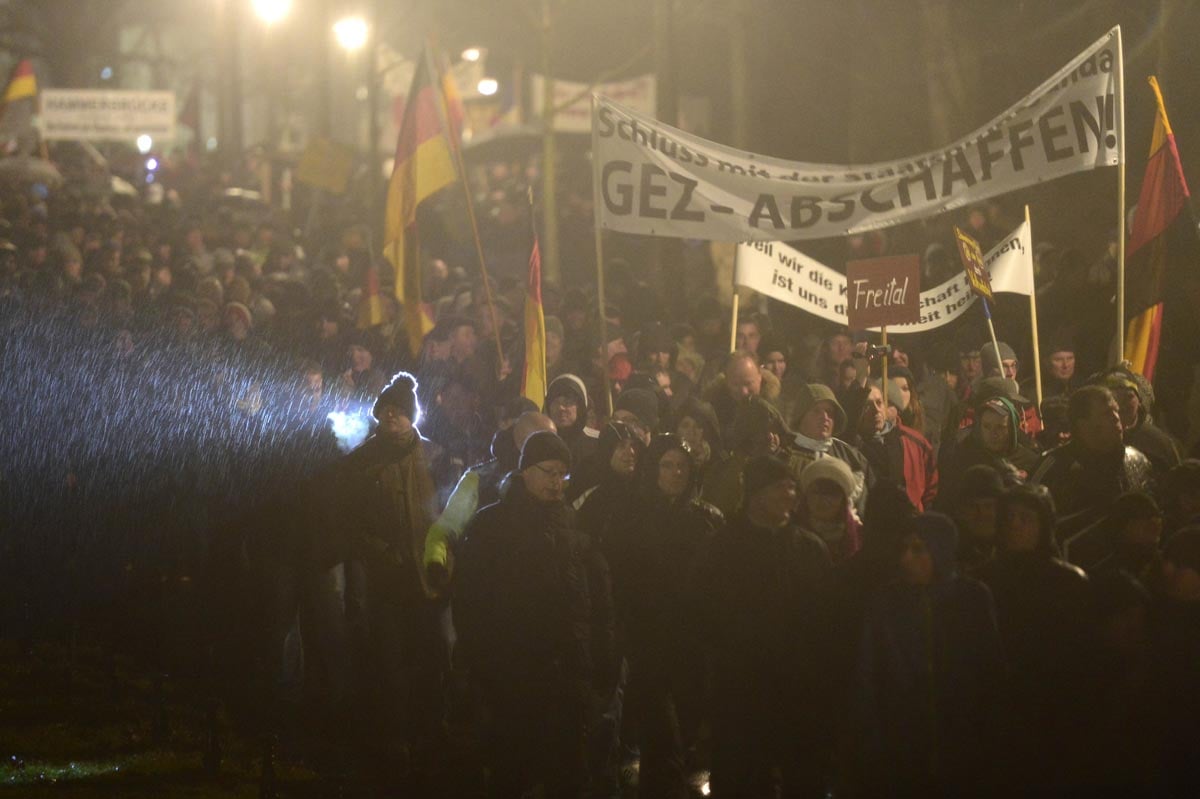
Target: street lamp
column 351, row 33
column 272, row 11
column 488, row 86
column 472, row 54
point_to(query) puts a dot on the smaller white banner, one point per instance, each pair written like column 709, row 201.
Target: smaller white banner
column 639, row 94
column 788, row 275
column 102, row 115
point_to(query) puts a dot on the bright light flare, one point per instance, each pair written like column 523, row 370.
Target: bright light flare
column 272, row 11
column 151, row 164
column 351, row 33
column 488, row 86
column 144, row 143
column 472, row 54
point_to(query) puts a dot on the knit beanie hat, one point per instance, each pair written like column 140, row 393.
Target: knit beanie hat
column 642, row 403
column 402, row 393
column 543, row 446
column 761, row 472
column 988, row 354
column 835, row 470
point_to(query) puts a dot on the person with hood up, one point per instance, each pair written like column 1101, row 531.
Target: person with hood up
column 825, row 509
column 819, row 418
column 567, row 406
column 973, row 508
column 994, row 440
column 1134, row 398
column 666, row 675
column 756, row 593
column 1041, row 606
column 1031, row 423
column 522, row 608
column 928, row 669
column 896, row 452
column 696, row 424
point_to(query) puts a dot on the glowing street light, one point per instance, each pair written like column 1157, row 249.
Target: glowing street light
column 488, row 86
column 472, row 54
column 144, row 143
column 351, row 33
column 272, row 11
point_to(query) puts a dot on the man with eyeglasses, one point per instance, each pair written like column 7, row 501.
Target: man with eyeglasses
column 522, row 610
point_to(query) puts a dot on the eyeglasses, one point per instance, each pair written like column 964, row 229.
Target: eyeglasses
column 553, row 474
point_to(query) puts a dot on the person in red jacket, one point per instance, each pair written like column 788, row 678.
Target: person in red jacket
column 896, row 453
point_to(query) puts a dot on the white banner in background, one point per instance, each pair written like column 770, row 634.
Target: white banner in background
column 654, row 179
column 788, row 275
column 638, row 94
column 103, row 115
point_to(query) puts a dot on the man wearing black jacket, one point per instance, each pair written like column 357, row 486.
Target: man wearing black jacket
column 522, row 610
column 756, row 590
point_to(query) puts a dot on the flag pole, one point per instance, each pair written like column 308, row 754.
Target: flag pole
column 596, row 200
column 456, row 147
column 1033, row 320
column 987, row 312
column 734, row 312
column 1120, row 121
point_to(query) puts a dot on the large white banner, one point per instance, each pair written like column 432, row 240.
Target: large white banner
column 654, row 179
column 102, row 115
column 788, row 275
column 638, row 94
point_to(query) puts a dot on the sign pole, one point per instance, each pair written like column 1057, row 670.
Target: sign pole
column 596, row 199
column 1120, row 201
column 734, row 313
column 887, row 356
column 1033, row 320
column 987, row 312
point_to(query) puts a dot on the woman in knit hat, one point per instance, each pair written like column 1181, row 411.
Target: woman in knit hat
column 825, row 509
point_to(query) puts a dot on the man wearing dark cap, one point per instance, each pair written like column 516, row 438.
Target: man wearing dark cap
column 385, row 502
column 756, row 596
column 522, row 610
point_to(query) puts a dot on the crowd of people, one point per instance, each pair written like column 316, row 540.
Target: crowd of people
column 755, row 572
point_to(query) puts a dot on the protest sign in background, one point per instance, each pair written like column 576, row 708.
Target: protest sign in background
column 658, row 180
column 971, row 255
column 102, row 115
column 790, row 276
column 883, row 291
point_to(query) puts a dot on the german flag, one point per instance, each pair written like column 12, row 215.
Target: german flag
column 424, row 164
column 1163, row 243
column 533, row 382
column 17, row 110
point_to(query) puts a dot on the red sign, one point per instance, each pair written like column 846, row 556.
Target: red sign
column 883, row 291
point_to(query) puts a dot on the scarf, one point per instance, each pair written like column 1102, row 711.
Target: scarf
column 819, row 447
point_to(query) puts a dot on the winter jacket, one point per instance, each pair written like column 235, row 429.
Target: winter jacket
column 801, row 452
column 756, row 594
column 928, row 670
column 386, row 502
column 1084, row 484
column 904, row 457
column 521, row 604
